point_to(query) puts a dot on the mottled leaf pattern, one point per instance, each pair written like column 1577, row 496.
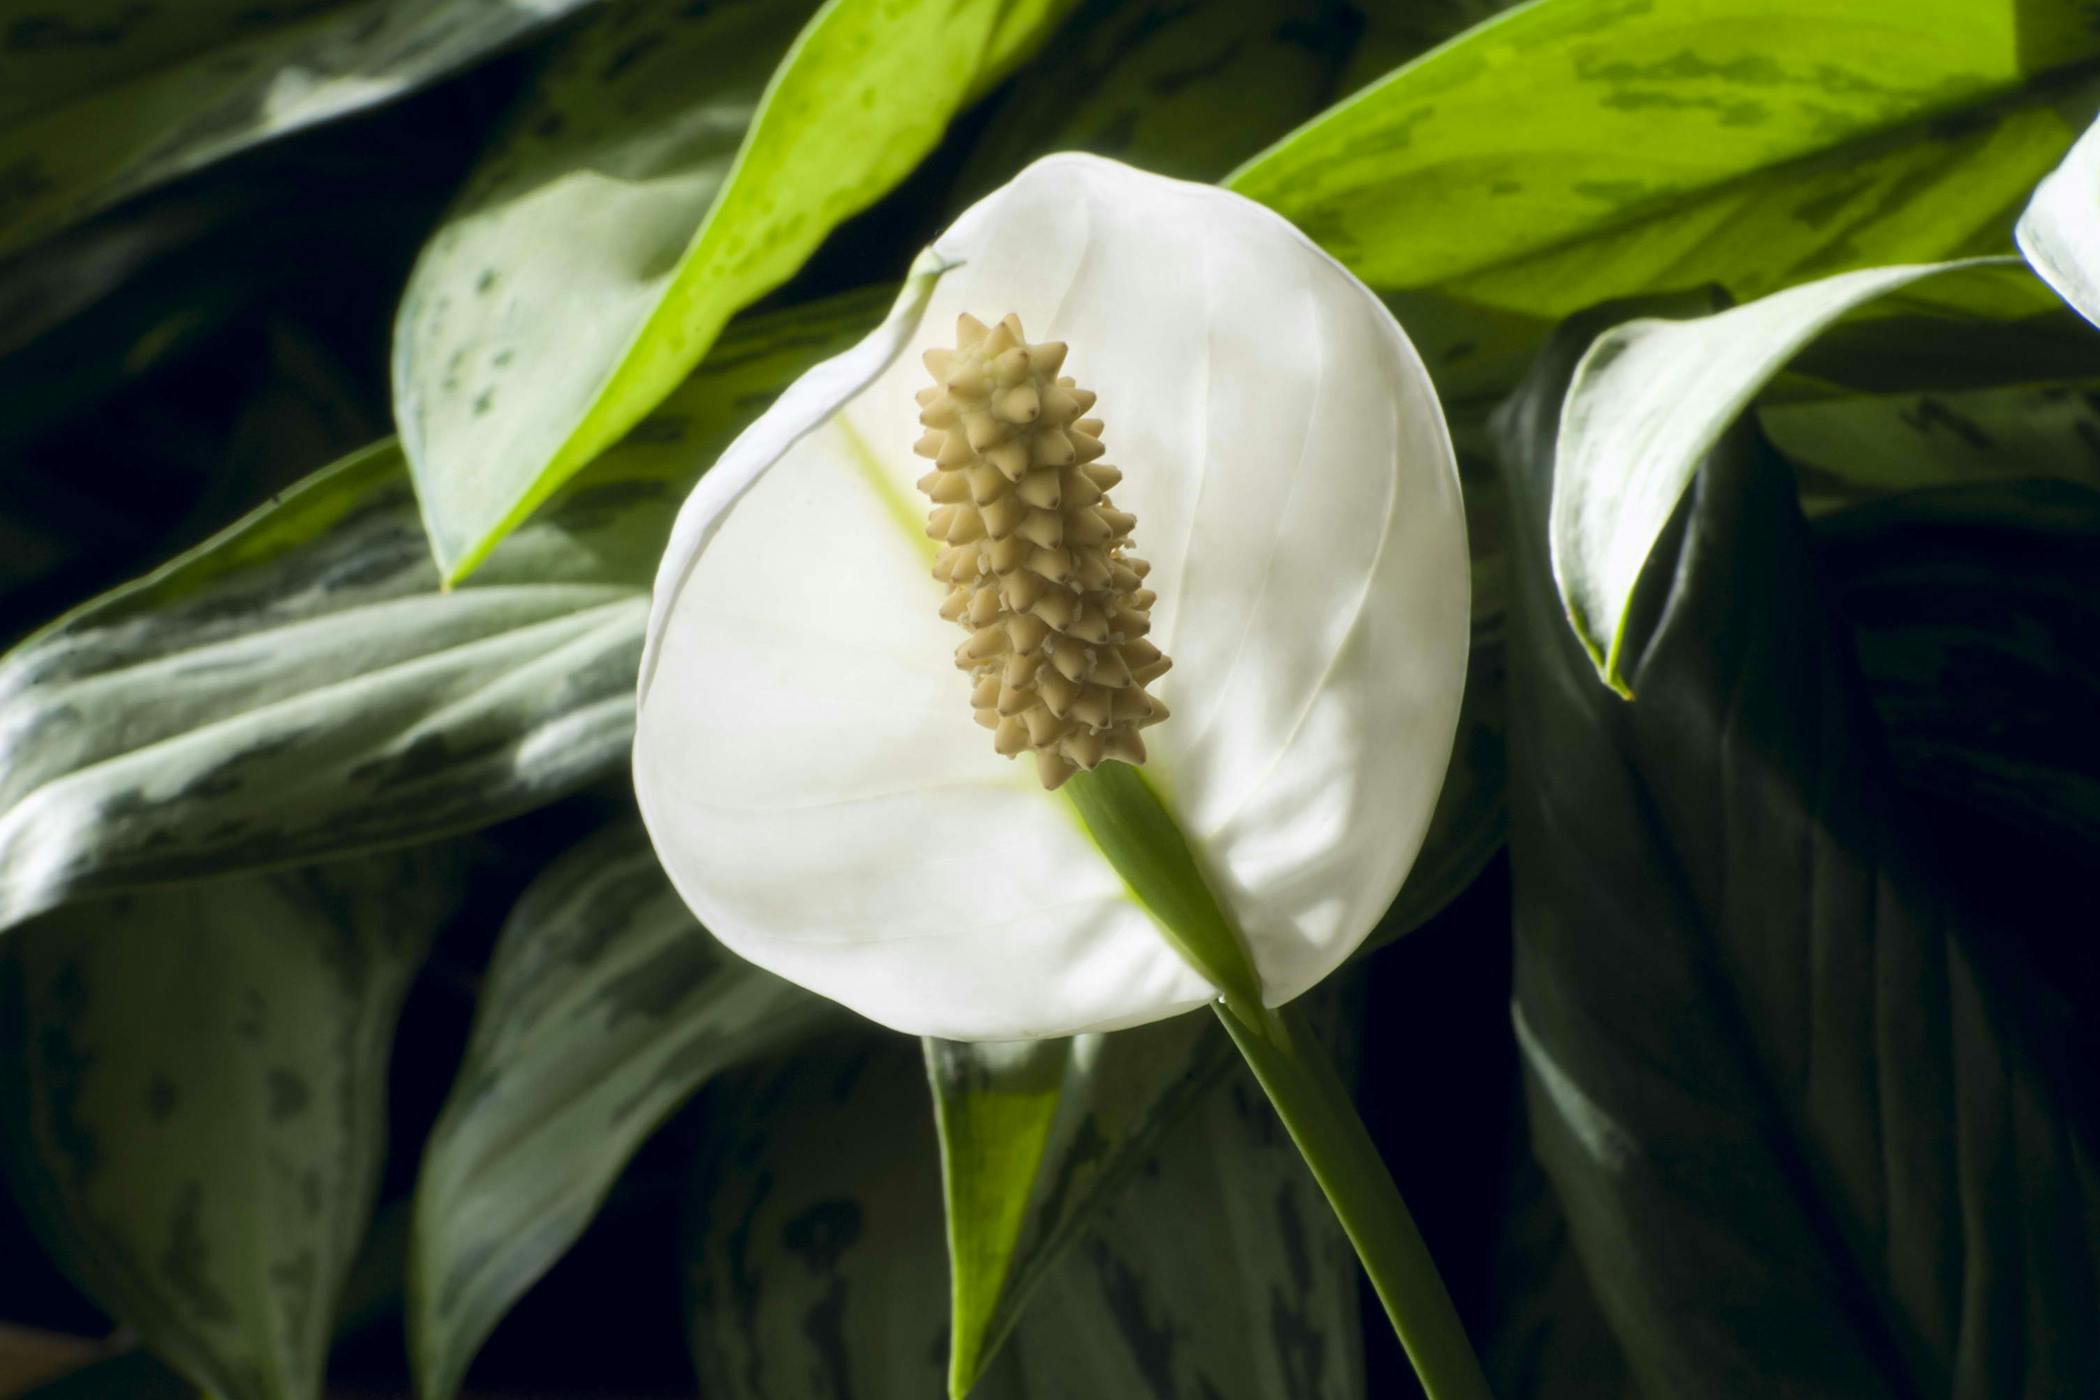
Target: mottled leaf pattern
column 815, row 1260
column 301, row 686
column 1574, row 151
column 1034, row 1138
column 193, row 1106
column 1852, row 448
column 604, row 1008
column 166, row 89
column 658, row 182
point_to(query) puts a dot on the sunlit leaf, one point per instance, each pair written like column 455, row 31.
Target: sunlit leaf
column 301, row 686
column 605, row 1006
column 194, row 1109
column 100, row 100
column 1570, row 151
column 657, row 182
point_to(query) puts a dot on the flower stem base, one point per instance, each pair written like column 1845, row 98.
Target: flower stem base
column 1322, row 1120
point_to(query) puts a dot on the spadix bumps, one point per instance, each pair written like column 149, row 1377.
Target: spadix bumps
column 1035, row 554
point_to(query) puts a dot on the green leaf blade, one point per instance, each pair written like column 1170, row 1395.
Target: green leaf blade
column 606, row 1006
column 638, row 219
column 165, row 93
column 1651, row 398
column 1794, row 145
column 195, row 1115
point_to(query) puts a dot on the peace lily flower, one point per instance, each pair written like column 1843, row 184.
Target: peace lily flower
column 812, row 757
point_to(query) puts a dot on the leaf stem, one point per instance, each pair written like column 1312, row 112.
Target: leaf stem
column 1136, row 829
column 1315, row 1106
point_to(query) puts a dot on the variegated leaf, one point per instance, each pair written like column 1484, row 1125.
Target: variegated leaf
column 1035, row 1137
column 103, row 99
column 194, row 1101
column 815, row 1255
column 1573, row 151
column 658, row 181
column 1652, row 396
column 302, row 685
column 605, row 1007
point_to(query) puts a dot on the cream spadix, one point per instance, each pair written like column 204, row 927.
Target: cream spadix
column 806, row 758
column 1035, row 555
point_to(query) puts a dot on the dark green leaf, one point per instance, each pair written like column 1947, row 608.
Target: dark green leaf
column 102, row 99
column 1977, row 628
column 815, row 1259
column 1806, row 1097
column 1183, row 87
column 301, row 685
column 605, row 1007
column 1035, row 1139
column 194, row 1111
column 659, row 181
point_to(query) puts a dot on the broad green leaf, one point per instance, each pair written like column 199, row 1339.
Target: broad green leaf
column 301, row 685
column 1652, row 397
column 657, row 182
column 605, row 1007
column 814, row 1254
column 1853, row 448
column 2056, row 232
column 1802, row 1077
column 101, row 100
column 1036, row 1136
column 194, row 1112
column 1575, row 150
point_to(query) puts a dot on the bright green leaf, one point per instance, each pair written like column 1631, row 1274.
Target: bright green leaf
column 2057, row 231
column 604, row 1008
column 1652, row 396
column 657, row 182
column 103, row 99
column 300, row 685
column 194, row 1102
column 816, row 1273
column 1571, row 151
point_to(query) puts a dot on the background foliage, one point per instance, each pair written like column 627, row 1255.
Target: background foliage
column 351, row 1041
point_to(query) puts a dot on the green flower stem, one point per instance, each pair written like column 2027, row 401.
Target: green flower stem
column 1315, row 1106
column 1134, row 828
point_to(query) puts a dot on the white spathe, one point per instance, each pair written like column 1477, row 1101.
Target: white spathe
column 806, row 760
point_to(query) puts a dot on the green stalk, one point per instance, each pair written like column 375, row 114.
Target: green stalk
column 1315, row 1106
column 1135, row 829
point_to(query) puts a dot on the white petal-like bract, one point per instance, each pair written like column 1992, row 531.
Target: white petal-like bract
column 806, row 759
